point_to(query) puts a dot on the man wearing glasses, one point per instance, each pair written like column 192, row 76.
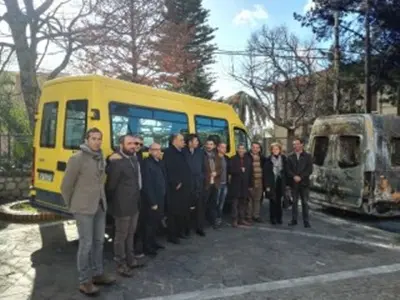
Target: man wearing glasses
column 154, row 192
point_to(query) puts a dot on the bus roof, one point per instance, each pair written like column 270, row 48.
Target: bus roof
column 122, row 84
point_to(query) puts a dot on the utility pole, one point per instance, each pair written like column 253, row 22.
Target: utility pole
column 367, row 67
column 336, row 92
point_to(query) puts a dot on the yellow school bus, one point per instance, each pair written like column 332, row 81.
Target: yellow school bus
column 70, row 105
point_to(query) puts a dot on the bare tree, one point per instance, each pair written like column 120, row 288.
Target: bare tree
column 37, row 30
column 125, row 51
column 287, row 77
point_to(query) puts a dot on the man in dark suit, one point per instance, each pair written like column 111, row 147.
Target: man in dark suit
column 154, row 192
column 179, row 182
column 123, row 186
column 299, row 169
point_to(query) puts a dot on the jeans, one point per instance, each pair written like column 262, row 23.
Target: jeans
column 221, row 196
column 91, row 230
column 125, row 228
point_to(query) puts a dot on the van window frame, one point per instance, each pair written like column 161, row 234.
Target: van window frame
column 228, row 139
column 248, row 139
column 314, row 141
column 360, row 140
column 42, row 127
column 391, row 147
column 65, row 121
column 140, row 107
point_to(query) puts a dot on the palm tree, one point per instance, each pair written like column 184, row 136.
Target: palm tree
column 249, row 109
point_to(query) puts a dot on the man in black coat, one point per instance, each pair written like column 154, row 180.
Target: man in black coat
column 154, row 193
column 179, row 189
column 299, row 169
column 194, row 156
column 241, row 171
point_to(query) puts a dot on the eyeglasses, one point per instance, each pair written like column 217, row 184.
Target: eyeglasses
column 155, row 149
column 138, row 144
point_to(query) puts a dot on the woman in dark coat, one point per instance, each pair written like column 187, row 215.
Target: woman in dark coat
column 275, row 182
column 241, row 171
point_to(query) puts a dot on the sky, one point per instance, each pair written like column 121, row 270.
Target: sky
column 236, row 20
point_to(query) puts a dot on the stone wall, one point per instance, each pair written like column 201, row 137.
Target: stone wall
column 14, row 188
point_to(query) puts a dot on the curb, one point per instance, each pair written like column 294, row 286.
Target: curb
column 16, row 216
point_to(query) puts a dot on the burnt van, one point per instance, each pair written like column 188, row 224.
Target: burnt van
column 356, row 163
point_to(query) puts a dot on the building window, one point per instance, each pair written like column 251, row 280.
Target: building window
column 320, row 150
column 218, row 129
column 48, row 128
column 395, row 151
column 154, row 125
column 349, row 151
column 75, row 123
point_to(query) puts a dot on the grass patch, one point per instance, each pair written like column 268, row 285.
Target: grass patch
column 24, row 207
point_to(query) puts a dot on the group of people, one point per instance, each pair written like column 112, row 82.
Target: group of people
column 187, row 185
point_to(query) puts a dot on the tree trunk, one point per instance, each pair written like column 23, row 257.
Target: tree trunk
column 290, row 139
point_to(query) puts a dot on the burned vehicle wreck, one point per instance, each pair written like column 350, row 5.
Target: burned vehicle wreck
column 356, row 163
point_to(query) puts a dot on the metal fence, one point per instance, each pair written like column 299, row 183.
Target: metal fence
column 15, row 153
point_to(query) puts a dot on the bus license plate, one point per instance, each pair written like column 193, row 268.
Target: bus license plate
column 45, row 176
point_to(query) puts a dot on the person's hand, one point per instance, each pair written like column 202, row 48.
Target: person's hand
column 268, row 189
column 213, row 174
column 243, row 170
column 154, row 207
column 297, row 179
column 192, row 207
column 178, row 186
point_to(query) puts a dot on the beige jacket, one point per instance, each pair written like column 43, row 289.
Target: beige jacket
column 82, row 187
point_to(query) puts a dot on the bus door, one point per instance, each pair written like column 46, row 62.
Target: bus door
column 62, row 128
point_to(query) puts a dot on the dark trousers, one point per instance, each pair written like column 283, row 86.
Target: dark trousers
column 210, row 196
column 152, row 223
column 239, row 209
column 275, row 203
column 140, row 230
column 303, row 193
column 177, row 225
column 197, row 215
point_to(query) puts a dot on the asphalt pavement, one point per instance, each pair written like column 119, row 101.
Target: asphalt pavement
column 336, row 259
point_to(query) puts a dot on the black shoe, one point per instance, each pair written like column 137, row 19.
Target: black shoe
column 183, row 236
column 175, row 241
column 150, row 252
column 279, row 222
column 293, row 223
column 158, row 246
column 273, row 222
column 307, row 225
column 258, row 220
column 200, row 232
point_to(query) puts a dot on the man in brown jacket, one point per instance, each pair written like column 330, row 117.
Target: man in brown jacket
column 212, row 179
column 124, row 182
column 82, row 189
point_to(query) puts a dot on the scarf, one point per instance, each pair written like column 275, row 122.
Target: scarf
column 96, row 155
column 277, row 165
column 211, row 162
column 134, row 162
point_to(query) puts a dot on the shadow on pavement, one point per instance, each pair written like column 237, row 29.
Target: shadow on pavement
column 52, row 263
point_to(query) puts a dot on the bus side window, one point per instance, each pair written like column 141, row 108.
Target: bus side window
column 48, row 129
column 75, row 123
column 214, row 128
column 241, row 137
